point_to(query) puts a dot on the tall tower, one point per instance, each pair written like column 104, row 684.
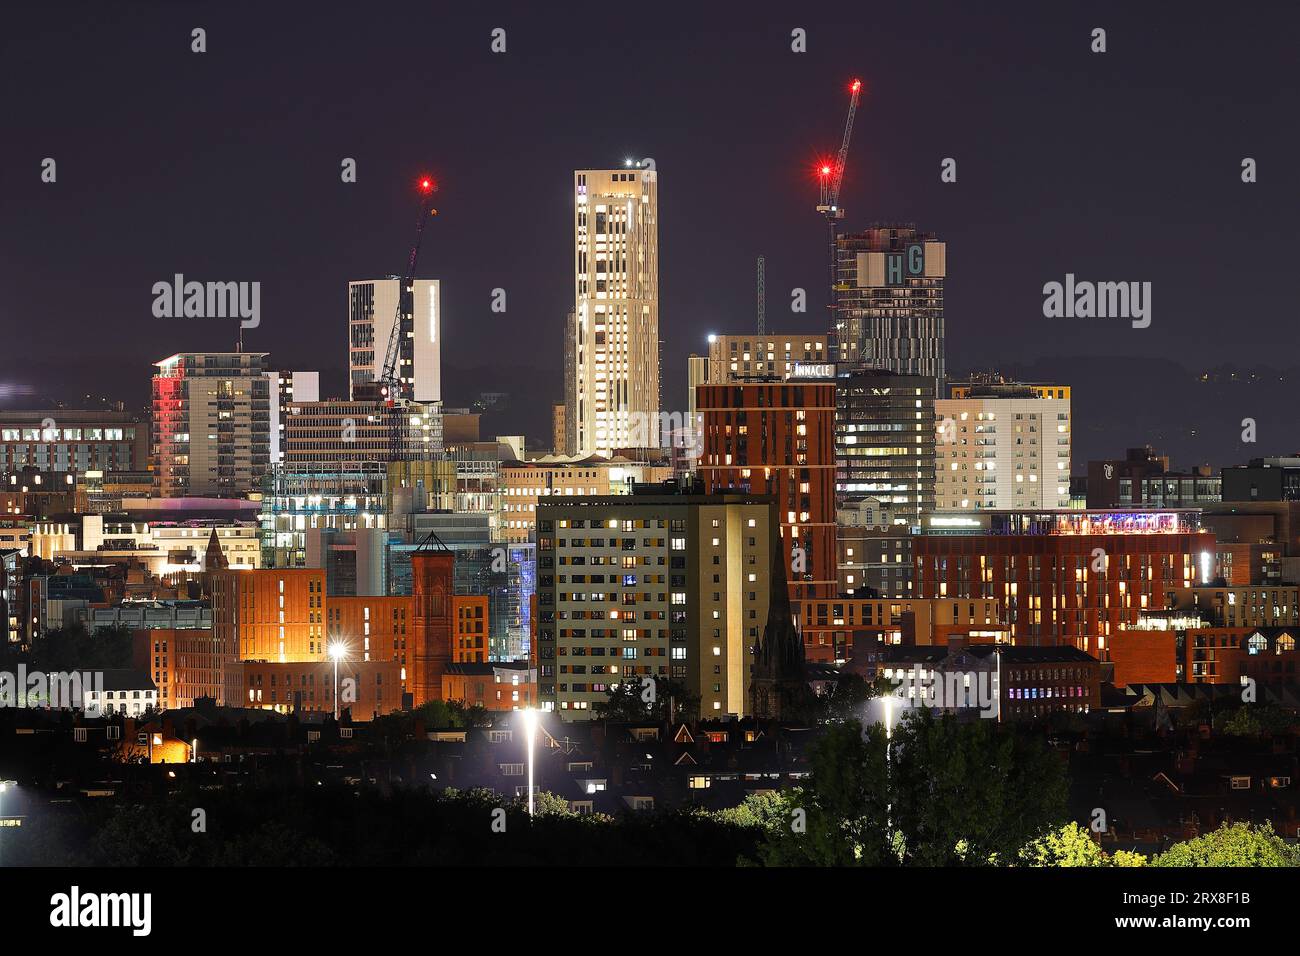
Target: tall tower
column 889, row 301
column 432, row 576
column 211, row 424
column 372, row 308
column 615, row 328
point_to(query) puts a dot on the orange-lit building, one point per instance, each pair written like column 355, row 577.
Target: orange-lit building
column 1064, row 577
column 372, row 628
column 1187, row 646
column 831, row 626
column 470, row 644
column 283, row 617
column 185, row 663
column 433, row 619
column 778, row 438
column 366, row 688
column 270, row 614
column 501, row 686
column 1146, row 653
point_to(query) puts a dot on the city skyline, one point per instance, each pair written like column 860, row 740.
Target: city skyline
column 764, row 113
column 850, row 437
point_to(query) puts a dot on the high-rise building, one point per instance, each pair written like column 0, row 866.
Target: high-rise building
column 615, row 326
column 874, row 554
column 211, row 424
column 737, row 358
column 889, row 300
column 339, row 496
column 558, row 440
column 570, row 446
column 885, row 441
column 1003, row 446
column 777, row 438
column 372, row 309
column 524, row 485
column 287, row 388
column 359, row 431
column 655, row 585
column 697, row 374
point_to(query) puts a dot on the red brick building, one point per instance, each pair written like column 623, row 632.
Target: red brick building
column 498, row 686
column 832, row 626
column 471, row 636
column 185, row 664
column 366, row 688
column 778, row 438
column 372, row 628
column 432, row 591
column 1064, row 577
column 283, row 617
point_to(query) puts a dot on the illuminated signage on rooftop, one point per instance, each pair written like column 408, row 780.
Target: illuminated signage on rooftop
column 813, row 370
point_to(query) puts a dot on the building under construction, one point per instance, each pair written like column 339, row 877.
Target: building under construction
column 889, row 300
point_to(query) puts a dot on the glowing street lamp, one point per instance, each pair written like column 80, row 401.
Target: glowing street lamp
column 530, row 724
column 339, row 652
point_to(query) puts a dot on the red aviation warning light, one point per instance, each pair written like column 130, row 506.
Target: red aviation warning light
column 426, row 184
column 855, row 86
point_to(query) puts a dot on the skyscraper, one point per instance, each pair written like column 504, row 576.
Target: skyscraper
column 372, row 308
column 884, row 441
column 889, row 300
column 211, row 424
column 1003, row 446
column 776, row 437
column 288, row 387
column 687, row 597
column 615, row 329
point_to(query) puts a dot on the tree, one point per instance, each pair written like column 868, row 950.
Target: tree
column 442, row 714
column 1072, row 845
column 622, row 703
column 547, row 804
column 273, row 844
column 971, row 792
column 1253, row 720
column 143, row 835
column 842, row 819
column 846, row 698
column 657, row 699
column 767, row 811
column 1235, row 844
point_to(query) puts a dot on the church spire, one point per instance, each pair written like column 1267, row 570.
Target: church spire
column 214, row 559
column 779, row 688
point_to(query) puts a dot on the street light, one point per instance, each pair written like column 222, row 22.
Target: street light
column 889, row 748
column 338, row 651
column 530, row 723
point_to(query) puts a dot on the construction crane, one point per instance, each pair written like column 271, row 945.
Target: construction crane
column 831, row 177
column 761, row 292
column 390, row 378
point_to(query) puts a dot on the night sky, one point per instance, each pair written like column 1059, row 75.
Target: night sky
column 1123, row 166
